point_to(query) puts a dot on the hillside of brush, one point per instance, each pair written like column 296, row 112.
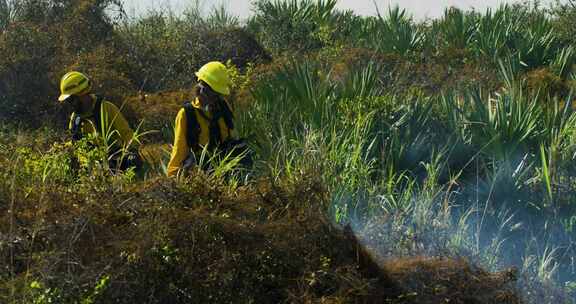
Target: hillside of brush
column 198, row 241
column 396, row 160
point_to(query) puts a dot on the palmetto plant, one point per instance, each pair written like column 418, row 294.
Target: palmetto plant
column 494, row 30
column 500, row 124
column 563, row 63
column 407, row 134
column 394, row 33
column 295, row 100
column 536, row 43
column 219, row 18
column 6, row 14
column 301, row 99
column 292, row 23
column 362, row 82
column 457, row 28
column 509, row 31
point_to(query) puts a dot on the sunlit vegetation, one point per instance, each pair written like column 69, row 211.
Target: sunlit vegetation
column 397, row 160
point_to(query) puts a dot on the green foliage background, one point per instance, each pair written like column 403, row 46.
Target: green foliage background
column 448, row 138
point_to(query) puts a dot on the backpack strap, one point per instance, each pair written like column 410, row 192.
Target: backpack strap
column 77, row 121
column 226, row 113
column 193, row 130
column 214, row 126
column 97, row 112
column 193, row 127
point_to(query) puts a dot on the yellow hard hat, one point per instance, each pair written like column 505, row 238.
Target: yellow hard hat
column 215, row 75
column 73, row 83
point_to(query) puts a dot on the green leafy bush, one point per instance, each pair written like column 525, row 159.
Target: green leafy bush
column 41, row 46
column 25, row 73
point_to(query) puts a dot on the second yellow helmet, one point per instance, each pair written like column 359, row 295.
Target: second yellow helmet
column 215, row 75
column 73, row 83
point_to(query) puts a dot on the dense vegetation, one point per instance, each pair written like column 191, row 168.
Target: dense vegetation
column 446, row 147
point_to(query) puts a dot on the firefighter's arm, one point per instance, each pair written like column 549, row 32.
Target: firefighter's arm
column 119, row 123
column 180, row 149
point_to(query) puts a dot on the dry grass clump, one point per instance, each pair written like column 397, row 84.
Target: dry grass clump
column 545, row 82
column 156, row 109
column 168, row 242
column 236, row 45
column 437, row 280
column 420, row 279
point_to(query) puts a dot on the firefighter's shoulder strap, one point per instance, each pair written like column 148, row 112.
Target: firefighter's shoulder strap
column 193, row 127
column 96, row 118
column 97, row 113
column 227, row 114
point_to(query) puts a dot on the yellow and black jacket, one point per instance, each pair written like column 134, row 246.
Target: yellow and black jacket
column 104, row 116
column 195, row 129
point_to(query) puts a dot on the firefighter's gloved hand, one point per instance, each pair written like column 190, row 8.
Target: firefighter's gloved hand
column 189, row 162
column 133, row 159
column 77, row 128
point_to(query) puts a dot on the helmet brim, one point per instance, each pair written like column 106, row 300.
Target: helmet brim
column 63, row 97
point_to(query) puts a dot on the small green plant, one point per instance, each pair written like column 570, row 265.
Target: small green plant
column 43, row 295
column 240, row 81
column 100, row 287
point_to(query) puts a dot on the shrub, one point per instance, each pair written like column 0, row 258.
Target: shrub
column 25, row 73
column 543, row 81
column 7, row 12
column 164, row 52
column 43, row 40
column 565, row 13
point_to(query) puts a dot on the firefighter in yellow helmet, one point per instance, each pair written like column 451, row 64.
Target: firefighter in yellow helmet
column 92, row 114
column 205, row 122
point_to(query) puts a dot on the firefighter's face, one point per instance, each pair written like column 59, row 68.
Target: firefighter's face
column 76, row 103
column 72, row 104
